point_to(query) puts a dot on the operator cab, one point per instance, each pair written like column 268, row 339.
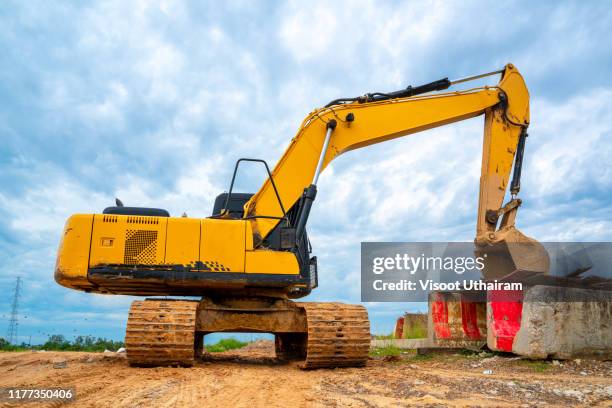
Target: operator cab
column 235, row 204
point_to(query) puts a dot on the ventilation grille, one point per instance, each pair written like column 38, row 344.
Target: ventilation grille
column 140, row 247
column 109, row 218
column 142, row 220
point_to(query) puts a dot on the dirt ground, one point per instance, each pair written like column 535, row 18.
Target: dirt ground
column 252, row 377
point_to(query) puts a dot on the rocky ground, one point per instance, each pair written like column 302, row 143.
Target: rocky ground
column 252, row 377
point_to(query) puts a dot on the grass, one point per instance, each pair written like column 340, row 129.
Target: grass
column 415, row 333
column 58, row 342
column 412, row 333
column 91, row 344
column 15, row 348
column 389, row 350
column 225, row 345
column 390, row 336
column 536, row 365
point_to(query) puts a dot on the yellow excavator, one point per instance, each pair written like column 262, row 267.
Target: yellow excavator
column 253, row 255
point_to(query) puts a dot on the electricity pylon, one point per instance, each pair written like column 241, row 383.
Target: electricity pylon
column 12, row 333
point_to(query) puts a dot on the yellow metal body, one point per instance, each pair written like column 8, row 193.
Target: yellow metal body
column 205, row 245
column 73, row 252
column 224, row 246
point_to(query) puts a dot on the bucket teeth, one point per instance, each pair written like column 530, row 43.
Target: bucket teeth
column 161, row 333
column 338, row 335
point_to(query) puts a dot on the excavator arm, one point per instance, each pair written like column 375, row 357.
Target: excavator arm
column 359, row 122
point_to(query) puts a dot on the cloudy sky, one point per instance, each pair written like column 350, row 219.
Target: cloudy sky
column 153, row 102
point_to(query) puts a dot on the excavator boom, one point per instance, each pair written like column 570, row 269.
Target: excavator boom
column 366, row 121
column 506, row 110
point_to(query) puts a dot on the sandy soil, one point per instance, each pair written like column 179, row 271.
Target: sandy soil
column 252, row 377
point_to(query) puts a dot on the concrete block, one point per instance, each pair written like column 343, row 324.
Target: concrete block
column 456, row 322
column 565, row 323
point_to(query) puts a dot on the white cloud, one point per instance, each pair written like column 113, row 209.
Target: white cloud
column 153, row 102
column 569, row 148
column 363, row 32
column 428, row 178
column 110, row 110
column 309, row 32
column 40, row 212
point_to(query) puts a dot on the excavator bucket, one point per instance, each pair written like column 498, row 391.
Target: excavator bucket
column 512, row 251
column 510, row 256
column 459, row 321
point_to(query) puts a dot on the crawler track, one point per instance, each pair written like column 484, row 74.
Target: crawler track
column 161, row 333
column 338, row 335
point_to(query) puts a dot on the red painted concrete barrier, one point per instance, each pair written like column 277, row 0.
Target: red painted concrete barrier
column 399, row 328
column 504, row 313
column 457, row 321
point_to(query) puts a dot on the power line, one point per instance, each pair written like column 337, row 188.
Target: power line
column 12, row 333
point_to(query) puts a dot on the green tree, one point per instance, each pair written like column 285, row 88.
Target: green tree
column 56, row 342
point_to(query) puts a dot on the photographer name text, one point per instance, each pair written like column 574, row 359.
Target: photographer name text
column 430, row 285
